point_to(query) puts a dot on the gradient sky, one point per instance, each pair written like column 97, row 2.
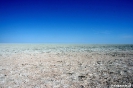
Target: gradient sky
column 66, row 21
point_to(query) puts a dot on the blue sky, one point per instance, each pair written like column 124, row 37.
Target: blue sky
column 66, row 21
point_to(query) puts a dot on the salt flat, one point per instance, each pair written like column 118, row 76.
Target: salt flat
column 65, row 65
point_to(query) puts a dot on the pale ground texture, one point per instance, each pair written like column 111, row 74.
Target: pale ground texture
column 65, row 66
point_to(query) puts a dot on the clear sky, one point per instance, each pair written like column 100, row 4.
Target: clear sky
column 66, row 21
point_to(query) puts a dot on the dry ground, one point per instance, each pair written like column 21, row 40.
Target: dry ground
column 71, row 69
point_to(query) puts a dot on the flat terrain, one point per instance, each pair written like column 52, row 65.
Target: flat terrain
column 65, row 66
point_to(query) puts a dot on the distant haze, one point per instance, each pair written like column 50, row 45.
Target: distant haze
column 66, row 21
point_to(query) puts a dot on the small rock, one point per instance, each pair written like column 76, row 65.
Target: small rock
column 81, row 78
column 81, row 86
